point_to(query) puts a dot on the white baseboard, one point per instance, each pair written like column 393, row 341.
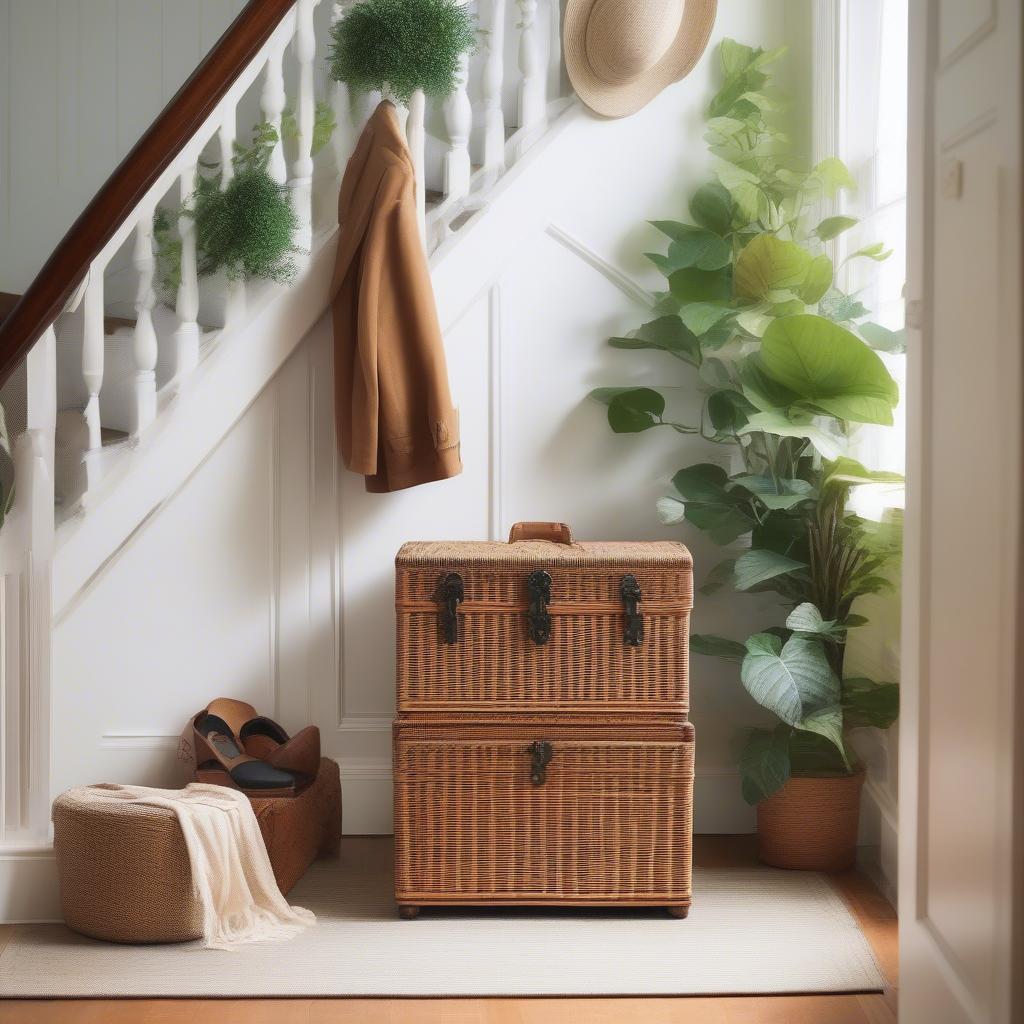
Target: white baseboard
column 29, row 890
column 879, row 839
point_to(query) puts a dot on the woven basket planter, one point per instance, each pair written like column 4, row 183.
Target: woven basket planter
column 811, row 823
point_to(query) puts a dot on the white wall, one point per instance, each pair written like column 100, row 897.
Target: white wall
column 269, row 576
column 80, row 81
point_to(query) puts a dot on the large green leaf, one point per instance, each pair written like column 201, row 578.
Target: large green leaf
column 758, row 565
column 846, row 472
column 830, row 176
column 806, row 620
column 827, row 722
column 670, row 510
column 767, row 264
column 694, row 246
column 728, row 410
column 875, row 251
column 704, row 317
column 830, row 227
column 882, row 339
column 668, row 334
column 791, row 679
column 830, row 368
column 716, row 647
column 780, row 494
column 631, row 409
column 693, row 285
column 818, row 279
column 785, row 426
column 724, row 514
column 867, row 703
column 711, row 207
column 764, row 764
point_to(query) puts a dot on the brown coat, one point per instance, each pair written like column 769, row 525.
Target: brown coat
column 395, row 420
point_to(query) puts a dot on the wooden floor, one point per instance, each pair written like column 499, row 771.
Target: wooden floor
column 873, row 912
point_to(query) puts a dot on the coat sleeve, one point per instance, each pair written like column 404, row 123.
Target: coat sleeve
column 418, row 429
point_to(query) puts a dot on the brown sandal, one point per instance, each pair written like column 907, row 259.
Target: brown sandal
column 263, row 738
column 209, row 743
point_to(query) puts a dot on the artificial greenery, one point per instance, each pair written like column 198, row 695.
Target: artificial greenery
column 787, row 366
column 324, row 123
column 401, row 46
column 245, row 229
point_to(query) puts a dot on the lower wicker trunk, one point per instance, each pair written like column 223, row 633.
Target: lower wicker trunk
column 486, row 814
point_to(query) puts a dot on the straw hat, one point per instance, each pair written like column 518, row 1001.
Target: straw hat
column 621, row 53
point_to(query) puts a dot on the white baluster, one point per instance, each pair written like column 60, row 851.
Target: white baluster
column 301, row 182
column 93, row 343
column 42, row 391
column 415, row 134
column 144, row 345
column 531, row 82
column 186, row 336
column 458, row 119
column 554, row 73
column 272, row 101
column 491, row 82
column 234, row 297
column 343, row 139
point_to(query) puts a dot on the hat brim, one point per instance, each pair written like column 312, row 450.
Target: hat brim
column 619, row 100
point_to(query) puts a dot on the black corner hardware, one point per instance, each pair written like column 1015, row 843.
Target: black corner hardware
column 631, row 597
column 452, row 594
column 538, row 588
column 540, row 757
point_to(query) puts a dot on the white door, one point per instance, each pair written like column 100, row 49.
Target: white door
column 962, row 730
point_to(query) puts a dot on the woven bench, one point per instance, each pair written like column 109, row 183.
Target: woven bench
column 124, row 870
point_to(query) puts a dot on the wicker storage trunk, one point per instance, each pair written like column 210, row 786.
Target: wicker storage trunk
column 542, row 753
column 540, row 625
column 605, row 819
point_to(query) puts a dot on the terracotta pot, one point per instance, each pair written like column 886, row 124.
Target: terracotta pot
column 811, row 823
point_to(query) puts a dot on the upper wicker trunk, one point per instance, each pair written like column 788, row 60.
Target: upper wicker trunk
column 494, row 657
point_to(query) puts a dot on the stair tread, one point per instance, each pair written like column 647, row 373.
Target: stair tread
column 110, row 436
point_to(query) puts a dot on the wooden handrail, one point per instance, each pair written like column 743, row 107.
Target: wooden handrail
column 177, row 123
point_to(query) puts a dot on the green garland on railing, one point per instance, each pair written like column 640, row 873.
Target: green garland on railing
column 402, row 46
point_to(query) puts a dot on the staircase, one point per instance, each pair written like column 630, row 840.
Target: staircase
column 115, row 397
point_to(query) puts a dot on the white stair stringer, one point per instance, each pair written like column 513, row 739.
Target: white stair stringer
column 236, row 366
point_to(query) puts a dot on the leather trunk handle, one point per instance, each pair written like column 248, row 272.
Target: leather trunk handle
column 559, row 533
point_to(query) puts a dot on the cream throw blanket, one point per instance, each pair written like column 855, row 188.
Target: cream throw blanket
column 231, row 871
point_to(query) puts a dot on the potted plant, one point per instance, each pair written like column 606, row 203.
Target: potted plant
column 787, row 367
column 399, row 46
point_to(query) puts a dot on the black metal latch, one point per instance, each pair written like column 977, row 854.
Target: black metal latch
column 452, row 593
column 540, row 758
column 538, row 588
column 631, row 597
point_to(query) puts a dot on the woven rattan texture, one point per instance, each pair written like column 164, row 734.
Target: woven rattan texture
column 585, row 665
column 811, row 823
column 124, row 871
column 611, row 824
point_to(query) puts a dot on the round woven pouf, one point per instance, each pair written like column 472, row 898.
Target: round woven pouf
column 124, row 869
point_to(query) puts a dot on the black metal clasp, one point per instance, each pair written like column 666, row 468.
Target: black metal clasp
column 540, row 758
column 538, row 587
column 631, row 597
column 452, row 594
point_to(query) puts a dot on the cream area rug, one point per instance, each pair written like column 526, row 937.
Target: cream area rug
column 750, row 930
